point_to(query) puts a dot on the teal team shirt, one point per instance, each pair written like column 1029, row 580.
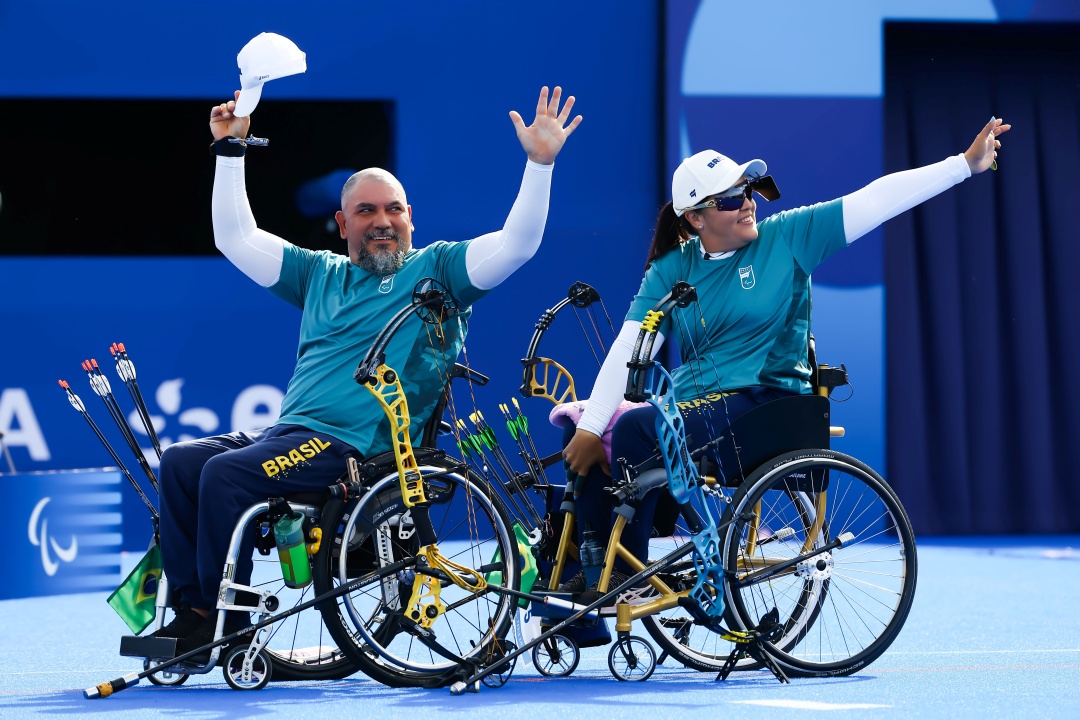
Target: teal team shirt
column 751, row 321
column 345, row 307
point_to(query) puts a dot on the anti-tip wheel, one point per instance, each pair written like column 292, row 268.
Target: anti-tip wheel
column 255, row 677
column 167, row 678
column 631, row 659
column 557, row 656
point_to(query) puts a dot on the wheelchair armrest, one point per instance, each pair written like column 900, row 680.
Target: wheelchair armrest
column 830, row 378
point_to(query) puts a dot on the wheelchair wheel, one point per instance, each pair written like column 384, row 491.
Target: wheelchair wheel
column 631, row 659
column 557, row 656
column 376, row 531
column 841, row 606
column 299, row 647
column 240, row 678
column 165, row 678
column 673, row 630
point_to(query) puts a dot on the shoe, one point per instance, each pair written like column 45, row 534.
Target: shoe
column 575, row 584
column 184, row 623
column 618, row 577
column 203, row 634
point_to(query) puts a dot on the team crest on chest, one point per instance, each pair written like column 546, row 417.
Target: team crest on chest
column 746, row 277
column 387, row 284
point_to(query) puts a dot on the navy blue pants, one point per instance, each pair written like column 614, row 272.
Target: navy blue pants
column 634, row 438
column 206, row 485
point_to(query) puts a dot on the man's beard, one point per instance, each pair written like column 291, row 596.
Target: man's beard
column 383, row 262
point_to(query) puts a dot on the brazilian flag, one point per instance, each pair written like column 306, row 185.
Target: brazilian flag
column 529, row 571
column 134, row 600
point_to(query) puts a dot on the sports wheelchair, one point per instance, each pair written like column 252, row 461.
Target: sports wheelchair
column 812, row 544
column 360, row 507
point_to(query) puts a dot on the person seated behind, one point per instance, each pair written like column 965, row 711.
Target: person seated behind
column 346, row 300
column 748, row 345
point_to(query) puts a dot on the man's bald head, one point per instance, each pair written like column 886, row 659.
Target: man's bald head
column 371, row 175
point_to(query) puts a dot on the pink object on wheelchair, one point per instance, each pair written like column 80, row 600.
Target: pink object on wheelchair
column 571, row 412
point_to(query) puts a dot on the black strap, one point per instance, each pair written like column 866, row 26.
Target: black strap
column 224, row 148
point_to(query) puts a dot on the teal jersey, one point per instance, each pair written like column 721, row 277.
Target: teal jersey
column 344, row 308
column 750, row 324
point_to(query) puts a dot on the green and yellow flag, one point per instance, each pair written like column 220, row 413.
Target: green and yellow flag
column 134, row 600
column 529, row 570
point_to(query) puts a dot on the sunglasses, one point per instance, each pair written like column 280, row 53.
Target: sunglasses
column 733, row 198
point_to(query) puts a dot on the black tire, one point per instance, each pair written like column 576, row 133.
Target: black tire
column 631, row 659
column 472, row 528
column 840, row 609
column 299, row 647
column 558, row 656
column 232, row 668
column 168, row 678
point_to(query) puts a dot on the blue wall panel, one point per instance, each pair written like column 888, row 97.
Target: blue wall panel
column 203, row 336
column 452, row 72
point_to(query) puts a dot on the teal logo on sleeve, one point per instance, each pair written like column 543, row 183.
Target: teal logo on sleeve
column 746, row 277
column 387, row 284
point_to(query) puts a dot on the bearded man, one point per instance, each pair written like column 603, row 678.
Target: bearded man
column 346, row 300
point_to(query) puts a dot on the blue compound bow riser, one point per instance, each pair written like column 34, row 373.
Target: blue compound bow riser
column 650, row 382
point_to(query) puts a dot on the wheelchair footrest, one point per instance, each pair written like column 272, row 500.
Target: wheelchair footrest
column 559, row 606
column 148, row 647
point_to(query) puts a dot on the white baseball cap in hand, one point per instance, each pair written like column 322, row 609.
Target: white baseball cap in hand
column 267, row 56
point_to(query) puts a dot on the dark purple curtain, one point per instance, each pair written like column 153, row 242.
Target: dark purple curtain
column 983, row 281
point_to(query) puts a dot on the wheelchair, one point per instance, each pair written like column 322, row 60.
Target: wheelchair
column 300, row 646
column 809, row 534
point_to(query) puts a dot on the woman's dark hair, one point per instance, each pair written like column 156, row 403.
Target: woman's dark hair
column 670, row 232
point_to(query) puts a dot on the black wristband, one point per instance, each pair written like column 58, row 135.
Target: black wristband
column 224, row 148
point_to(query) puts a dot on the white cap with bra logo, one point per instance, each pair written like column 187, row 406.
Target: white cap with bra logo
column 708, row 173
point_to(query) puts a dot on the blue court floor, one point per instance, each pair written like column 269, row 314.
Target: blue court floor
column 994, row 633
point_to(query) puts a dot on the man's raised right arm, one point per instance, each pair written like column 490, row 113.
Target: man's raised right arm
column 257, row 253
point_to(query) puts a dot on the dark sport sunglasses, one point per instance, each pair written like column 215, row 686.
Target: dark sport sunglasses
column 733, row 198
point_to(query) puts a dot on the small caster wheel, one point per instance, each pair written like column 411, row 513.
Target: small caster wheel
column 557, row 656
column 631, row 658
column 166, row 677
column 498, row 678
column 256, row 676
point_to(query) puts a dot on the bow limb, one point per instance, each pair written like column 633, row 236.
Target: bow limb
column 553, row 381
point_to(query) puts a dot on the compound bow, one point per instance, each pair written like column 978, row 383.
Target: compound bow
column 434, row 306
column 648, row 381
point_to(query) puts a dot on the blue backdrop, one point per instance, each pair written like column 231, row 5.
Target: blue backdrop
column 803, row 90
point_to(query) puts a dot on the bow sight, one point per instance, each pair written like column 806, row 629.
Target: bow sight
column 431, row 302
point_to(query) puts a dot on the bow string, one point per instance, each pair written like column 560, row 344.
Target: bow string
column 648, row 381
column 546, row 378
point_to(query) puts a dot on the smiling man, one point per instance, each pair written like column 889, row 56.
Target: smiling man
column 346, row 300
column 376, row 221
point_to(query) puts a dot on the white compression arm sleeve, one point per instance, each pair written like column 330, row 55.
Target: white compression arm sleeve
column 257, row 253
column 891, row 195
column 491, row 258
column 610, row 385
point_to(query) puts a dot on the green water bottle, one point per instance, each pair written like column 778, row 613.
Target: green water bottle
column 292, row 551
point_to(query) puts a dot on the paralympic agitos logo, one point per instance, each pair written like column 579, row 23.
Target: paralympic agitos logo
column 39, row 537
